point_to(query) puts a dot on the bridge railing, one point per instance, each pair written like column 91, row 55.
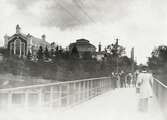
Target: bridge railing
column 54, row 95
column 160, row 91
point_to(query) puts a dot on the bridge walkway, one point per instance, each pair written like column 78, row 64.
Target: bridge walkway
column 119, row 104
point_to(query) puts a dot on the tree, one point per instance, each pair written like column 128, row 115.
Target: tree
column 158, row 59
column 125, row 63
column 4, row 52
column 40, row 53
column 57, row 50
column 115, row 52
column 29, row 55
column 75, row 52
column 116, row 49
column 87, row 55
column 46, row 53
column 52, row 52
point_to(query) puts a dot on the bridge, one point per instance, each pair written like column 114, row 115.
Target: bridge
column 94, row 99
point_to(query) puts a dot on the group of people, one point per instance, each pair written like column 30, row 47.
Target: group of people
column 142, row 81
column 124, row 80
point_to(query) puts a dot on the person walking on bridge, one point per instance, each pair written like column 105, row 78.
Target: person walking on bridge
column 129, row 78
column 144, row 83
column 122, row 79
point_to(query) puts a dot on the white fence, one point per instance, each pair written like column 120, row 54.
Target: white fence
column 55, row 95
column 160, row 91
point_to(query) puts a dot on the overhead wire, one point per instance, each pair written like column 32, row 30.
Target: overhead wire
column 78, row 3
column 68, row 12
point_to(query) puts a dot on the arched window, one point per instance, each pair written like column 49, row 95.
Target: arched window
column 17, row 42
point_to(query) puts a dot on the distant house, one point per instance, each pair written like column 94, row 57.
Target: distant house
column 21, row 44
column 83, row 46
column 100, row 55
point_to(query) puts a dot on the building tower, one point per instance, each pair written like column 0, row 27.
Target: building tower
column 18, row 29
column 99, row 46
column 43, row 37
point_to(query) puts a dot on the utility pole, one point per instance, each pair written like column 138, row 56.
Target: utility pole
column 117, row 56
column 132, row 59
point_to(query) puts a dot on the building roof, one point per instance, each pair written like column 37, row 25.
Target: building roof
column 35, row 40
column 83, row 45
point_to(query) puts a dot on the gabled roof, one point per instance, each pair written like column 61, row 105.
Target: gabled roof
column 35, row 40
column 20, row 35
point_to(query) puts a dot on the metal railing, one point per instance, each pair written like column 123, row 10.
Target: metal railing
column 55, row 95
column 160, row 91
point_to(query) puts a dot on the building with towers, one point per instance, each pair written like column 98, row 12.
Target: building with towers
column 21, row 44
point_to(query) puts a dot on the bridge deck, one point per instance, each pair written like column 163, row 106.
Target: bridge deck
column 120, row 104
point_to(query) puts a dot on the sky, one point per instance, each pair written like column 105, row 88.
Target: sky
column 141, row 24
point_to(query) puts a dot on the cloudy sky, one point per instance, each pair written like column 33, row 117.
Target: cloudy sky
column 138, row 23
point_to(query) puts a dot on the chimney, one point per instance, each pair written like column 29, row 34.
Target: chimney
column 43, row 37
column 99, row 46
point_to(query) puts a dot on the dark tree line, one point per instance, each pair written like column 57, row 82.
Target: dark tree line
column 158, row 62
column 67, row 65
column 56, row 53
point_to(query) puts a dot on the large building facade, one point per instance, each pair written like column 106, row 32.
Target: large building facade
column 21, row 44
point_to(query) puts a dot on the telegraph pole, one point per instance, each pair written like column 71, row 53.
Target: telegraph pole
column 132, row 58
column 116, row 47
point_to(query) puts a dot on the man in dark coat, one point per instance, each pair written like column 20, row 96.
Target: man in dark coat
column 122, row 79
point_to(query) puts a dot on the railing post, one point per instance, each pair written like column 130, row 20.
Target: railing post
column 40, row 98
column 79, row 92
column 67, row 94
column 99, row 85
column 108, row 83
column 92, row 89
column 72, row 94
column 102, row 85
column 96, row 85
column 75, row 93
column 26, row 105
column 101, row 88
column 51, row 97
column 9, row 99
column 87, row 90
column 60, row 96
column 102, row 81
column 165, row 99
column 83, row 90
column 105, row 82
